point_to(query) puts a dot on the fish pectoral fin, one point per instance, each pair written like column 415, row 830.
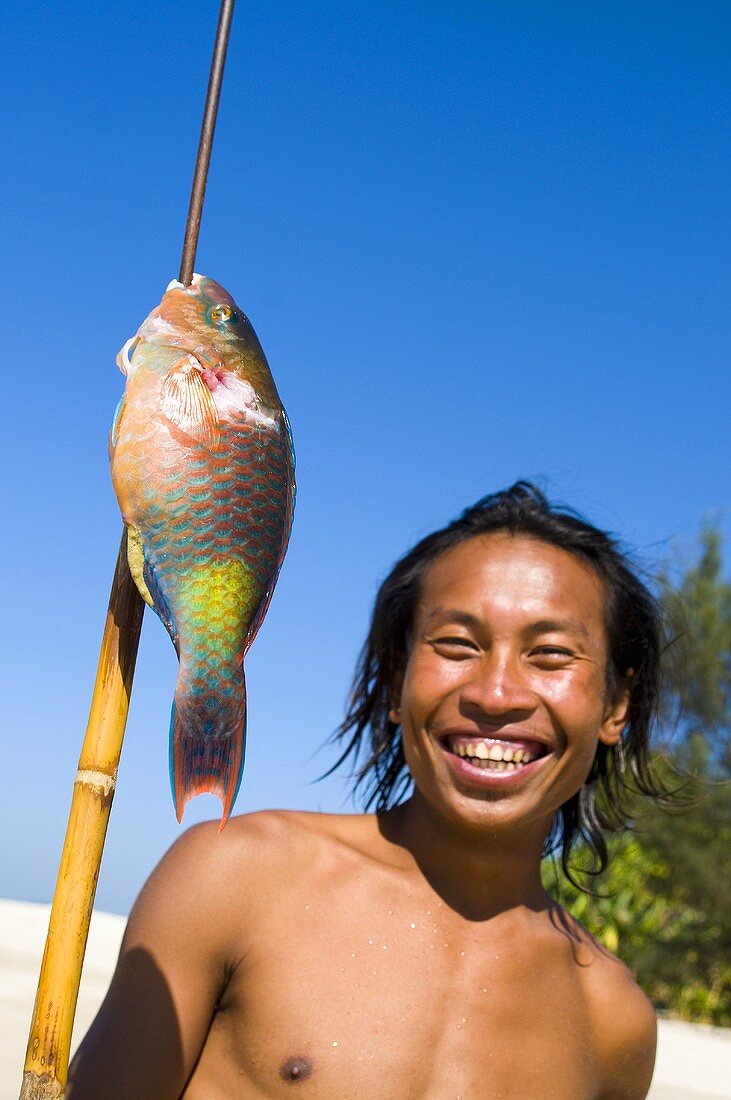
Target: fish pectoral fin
column 147, row 585
column 187, row 402
column 136, row 562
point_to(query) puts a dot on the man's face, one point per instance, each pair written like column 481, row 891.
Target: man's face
column 504, row 696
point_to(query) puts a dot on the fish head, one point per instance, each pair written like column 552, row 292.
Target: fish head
column 204, row 320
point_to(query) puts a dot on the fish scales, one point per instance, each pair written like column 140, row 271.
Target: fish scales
column 203, row 468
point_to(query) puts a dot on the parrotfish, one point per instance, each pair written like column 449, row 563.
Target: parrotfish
column 203, row 468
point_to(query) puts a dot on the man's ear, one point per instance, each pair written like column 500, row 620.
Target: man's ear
column 394, row 713
column 615, row 715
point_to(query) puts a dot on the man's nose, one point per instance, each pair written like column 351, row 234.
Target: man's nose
column 498, row 685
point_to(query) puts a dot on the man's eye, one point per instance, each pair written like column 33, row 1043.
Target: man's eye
column 552, row 654
column 455, row 645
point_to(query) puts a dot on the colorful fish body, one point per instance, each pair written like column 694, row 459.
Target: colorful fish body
column 203, row 468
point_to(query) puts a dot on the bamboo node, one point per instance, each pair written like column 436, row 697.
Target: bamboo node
column 100, row 781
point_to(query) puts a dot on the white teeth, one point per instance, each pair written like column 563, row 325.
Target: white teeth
column 495, row 756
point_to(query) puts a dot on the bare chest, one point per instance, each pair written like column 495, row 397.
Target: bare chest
column 404, row 1005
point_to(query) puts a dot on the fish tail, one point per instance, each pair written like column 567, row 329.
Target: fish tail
column 207, row 754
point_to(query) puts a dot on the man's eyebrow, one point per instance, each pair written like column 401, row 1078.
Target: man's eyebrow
column 541, row 626
column 454, row 615
column 569, row 626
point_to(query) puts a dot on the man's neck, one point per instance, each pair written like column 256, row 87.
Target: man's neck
column 478, row 874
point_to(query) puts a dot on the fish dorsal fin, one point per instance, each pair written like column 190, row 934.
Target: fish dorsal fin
column 186, row 400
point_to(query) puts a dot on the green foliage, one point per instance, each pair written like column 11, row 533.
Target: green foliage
column 674, row 940
column 698, row 669
column 664, row 903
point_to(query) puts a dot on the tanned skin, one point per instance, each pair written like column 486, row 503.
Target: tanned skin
column 412, row 955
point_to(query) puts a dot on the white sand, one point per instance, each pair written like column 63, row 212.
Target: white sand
column 694, row 1062
column 23, row 927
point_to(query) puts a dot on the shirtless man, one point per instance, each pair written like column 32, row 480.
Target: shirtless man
column 413, row 954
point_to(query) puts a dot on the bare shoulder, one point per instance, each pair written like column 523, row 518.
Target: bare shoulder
column 207, row 873
column 268, row 846
column 625, row 1026
column 280, row 833
column 251, row 837
column 621, row 1017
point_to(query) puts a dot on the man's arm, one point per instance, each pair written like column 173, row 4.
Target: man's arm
column 177, row 954
column 628, row 1040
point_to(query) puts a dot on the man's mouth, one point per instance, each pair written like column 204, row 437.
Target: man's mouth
column 493, row 754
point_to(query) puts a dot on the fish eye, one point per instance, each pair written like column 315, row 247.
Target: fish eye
column 222, row 313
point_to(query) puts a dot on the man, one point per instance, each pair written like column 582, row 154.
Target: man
column 511, row 674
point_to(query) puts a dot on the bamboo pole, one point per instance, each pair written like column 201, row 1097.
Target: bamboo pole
column 47, row 1055
column 46, row 1062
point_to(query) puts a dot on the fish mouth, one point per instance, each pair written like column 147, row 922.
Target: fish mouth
column 175, row 284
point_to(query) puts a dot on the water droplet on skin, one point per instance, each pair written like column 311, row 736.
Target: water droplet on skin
column 307, row 907
column 352, row 954
column 370, row 941
column 374, row 971
column 390, row 912
column 412, row 925
column 462, row 954
column 464, row 1019
column 428, row 912
column 335, row 1043
column 484, row 989
column 385, row 947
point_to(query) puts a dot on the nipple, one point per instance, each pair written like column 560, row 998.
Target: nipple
column 295, row 1069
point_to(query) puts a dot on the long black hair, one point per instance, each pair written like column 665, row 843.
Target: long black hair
column 634, row 626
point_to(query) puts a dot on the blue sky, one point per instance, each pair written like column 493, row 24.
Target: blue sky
column 477, row 241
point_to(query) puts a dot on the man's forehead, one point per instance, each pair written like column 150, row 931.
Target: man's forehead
column 510, row 572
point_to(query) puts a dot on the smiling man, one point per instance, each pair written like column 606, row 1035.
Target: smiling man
column 509, row 678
